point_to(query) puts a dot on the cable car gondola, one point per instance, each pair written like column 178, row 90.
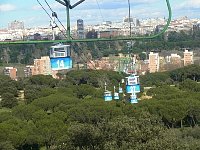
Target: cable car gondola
column 108, row 96
column 60, row 57
column 133, row 98
column 116, row 96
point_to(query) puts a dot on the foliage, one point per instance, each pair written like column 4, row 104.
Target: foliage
column 71, row 113
column 190, row 72
column 43, row 80
column 8, row 100
column 94, row 78
column 190, row 85
column 155, row 79
column 8, row 85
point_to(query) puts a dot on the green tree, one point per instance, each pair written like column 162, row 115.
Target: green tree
column 50, row 130
column 6, row 146
column 8, row 100
column 129, row 132
column 84, row 136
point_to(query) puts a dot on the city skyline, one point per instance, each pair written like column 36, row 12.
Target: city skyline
column 93, row 11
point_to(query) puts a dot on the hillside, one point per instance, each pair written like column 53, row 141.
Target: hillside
column 25, row 54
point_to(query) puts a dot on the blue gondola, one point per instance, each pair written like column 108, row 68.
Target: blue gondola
column 133, row 87
column 108, row 96
column 133, row 99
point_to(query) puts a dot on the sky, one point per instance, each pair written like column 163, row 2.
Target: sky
column 93, row 11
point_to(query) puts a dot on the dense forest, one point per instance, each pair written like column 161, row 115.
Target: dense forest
column 25, row 54
column 70, row 114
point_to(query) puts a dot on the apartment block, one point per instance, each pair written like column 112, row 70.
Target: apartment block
column 80, row 29
column 188, row 58
column 42, row 66
column 29, row 71
column 174, row 59
column 154, row 62
column 11, row 72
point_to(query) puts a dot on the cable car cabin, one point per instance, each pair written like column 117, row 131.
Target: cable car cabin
column 108, row 96
column 116, row 96
column 60, row 50
column 132, row 80
column 133, row 99
column 133, row 84
column 120, row 90
column 60, row 56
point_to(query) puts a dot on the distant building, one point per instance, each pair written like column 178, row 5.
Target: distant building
column 29, row 71
column 134, row 21
column 107, row 23
column 11, row 72
column 162, row 63
column 174, row 59
column 80, row 29
column 173, row 62
column 108, row 33
column 103, row 64
column 92, row 65
column 188, row 58
column 159, row 28
column 127, row 19
column 16, row 25
column 42, row 66
column 196, row 27
column 143, row 67
column 154, row 62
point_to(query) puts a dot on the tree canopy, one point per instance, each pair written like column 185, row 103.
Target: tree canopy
column 71, row 113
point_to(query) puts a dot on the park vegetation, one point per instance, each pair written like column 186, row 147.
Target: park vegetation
column 70, row 114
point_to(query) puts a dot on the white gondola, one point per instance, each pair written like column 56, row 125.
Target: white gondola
column 120, row 90
column 116, row 96
column 60, row 50
column 60, row 56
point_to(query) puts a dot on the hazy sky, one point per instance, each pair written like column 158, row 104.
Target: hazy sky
column 32, row 14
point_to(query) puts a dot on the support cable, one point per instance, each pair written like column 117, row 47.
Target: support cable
column 56, row 16
column 100, row 10
column 50, row 17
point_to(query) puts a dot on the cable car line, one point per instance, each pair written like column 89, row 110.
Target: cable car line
column 102, row 39
column 100, row 10
column 51, row 19
column 44, row 9
column 48, row 5
column 56, row 16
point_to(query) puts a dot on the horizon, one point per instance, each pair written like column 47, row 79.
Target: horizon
column 72, row 25
column 93, row 12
